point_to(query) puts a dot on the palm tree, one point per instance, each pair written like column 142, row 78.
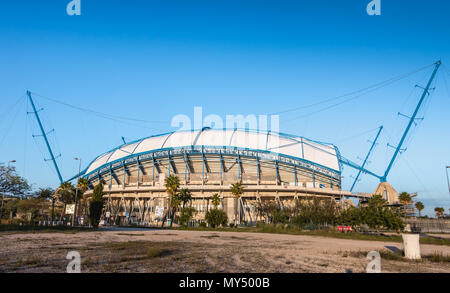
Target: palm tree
column 405, row 199
column 185, row 195
column 237, row 190
column 420, row 207
column 82, row 187
column 174, row 205
column 215, row 199
column 44, row 193
column 172, row 184
column 439, row 211
column 65, row 194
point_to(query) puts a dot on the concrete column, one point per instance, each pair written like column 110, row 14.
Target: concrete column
column 411, row 246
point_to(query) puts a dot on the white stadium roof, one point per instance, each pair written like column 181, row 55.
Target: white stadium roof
column 298, row 147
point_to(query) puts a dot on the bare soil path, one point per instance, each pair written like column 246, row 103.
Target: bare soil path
column 139, row 250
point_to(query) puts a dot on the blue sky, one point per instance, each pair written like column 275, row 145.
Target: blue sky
column 152, row 60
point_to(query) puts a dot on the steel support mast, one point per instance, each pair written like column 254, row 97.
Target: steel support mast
column 45, row 137
column 367, row 158
column 411, row 121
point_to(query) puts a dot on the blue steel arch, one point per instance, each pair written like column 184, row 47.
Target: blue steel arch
column 223, row 150
column 257, row 154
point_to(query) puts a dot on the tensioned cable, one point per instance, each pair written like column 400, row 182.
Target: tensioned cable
column 8, row 129
column 376, row 86
column 104, row 115
column 446, row 83
column 10, row 109
column 446, row 68
column 97, row 113
column 357, row 135
column 355, row 97
column 25, row 144
column 408, row 164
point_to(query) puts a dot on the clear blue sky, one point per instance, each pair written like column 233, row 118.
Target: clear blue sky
column 153, row 59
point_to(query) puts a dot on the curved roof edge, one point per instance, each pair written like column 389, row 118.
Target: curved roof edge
column 296, row 139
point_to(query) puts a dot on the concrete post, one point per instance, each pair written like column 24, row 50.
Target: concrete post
column 411, row 246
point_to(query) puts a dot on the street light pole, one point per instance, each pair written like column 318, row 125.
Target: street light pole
column 3, row 191
column 76, row 191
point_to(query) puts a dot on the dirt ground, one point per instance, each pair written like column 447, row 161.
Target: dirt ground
column 125, row 250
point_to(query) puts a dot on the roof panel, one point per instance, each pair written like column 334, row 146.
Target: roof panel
column 122, row 152
column 101, row 160
column 151, row 143
column 320, row 153
column 180, row 138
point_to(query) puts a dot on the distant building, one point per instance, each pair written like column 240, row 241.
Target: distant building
column 387, row 192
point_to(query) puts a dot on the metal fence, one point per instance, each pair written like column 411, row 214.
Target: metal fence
column 429, row 225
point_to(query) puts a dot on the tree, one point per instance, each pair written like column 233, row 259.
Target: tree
column 172, row 183
column 32, row 208
column 378, row 215
column 215, row 200
column 405, row 199
column 351, row 217
column 186, row 214
column 185, row 196
column 81, row 187
column 316, row 212
column 265, row 209
column 65, row 194
column 176, row 202
column 237, row 190
column 439, row 212
column 44, row 193
column 420, row 207
column 216, row 217
column 11, row 184
column 96, row 206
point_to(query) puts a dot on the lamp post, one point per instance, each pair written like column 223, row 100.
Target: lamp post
column 3, row 191
column 76, row 191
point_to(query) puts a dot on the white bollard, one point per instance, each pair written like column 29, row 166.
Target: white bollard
column 411, row 246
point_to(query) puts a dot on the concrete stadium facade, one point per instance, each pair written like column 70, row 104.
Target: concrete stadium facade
column 270, row 166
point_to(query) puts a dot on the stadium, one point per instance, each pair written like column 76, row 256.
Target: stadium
column 269, row 165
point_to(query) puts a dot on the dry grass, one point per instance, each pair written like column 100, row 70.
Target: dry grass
column 436, row 257
column 209, row 252
column 439, row 257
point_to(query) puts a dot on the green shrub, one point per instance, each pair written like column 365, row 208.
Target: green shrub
column 96, row 206
column 216, row 217
column 186, row 215
column 280, row 216
column 319, row 214
column 202, row 224
column 260, row 224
